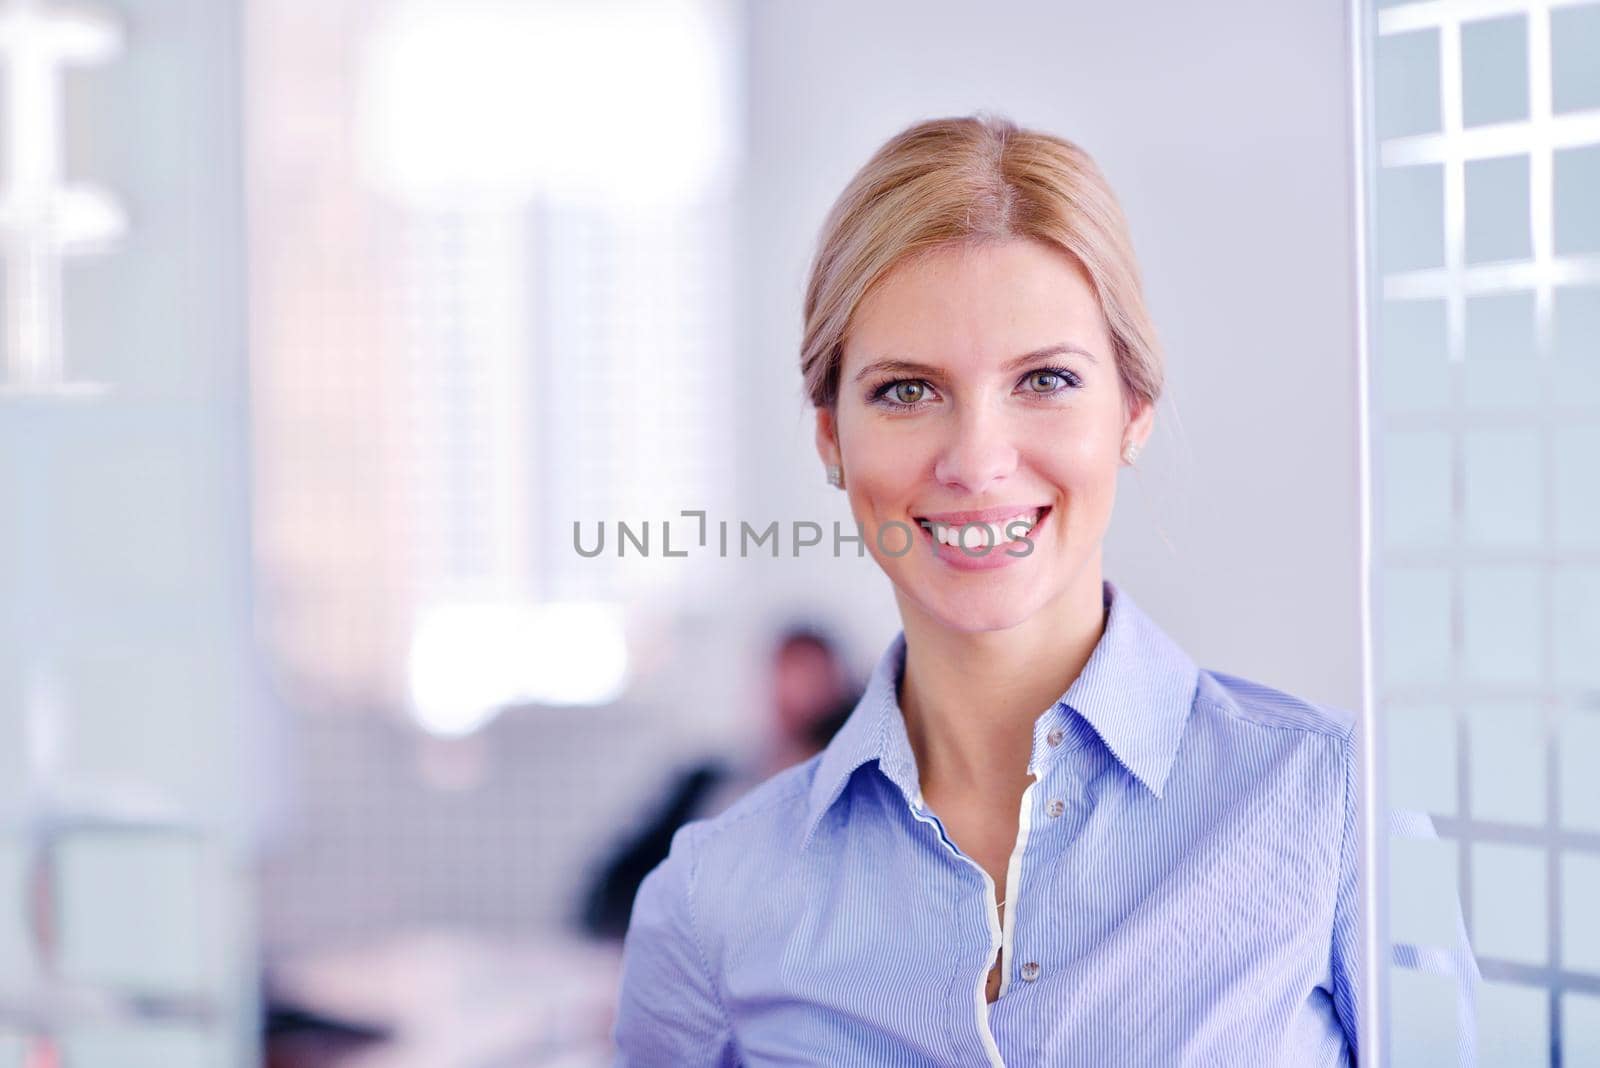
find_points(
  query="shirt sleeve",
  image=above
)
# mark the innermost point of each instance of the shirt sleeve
(1457, 962)
(668, 1009)
(1346, 955)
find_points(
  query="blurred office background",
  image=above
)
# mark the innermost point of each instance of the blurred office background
(324, 322)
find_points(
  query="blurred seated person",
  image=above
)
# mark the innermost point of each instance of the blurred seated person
(812, 696)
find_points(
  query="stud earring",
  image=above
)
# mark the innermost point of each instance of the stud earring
(836, 476)
(1130, 452)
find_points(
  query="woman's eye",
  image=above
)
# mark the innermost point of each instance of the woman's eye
(1048, 380)
(909, 392)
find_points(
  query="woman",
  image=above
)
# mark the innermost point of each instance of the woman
(1044, 836)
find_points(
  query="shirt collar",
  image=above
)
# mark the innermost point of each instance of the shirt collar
(1135, 691)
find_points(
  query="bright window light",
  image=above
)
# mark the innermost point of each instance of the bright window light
(470, 661)
(604, 100)
(43, 218)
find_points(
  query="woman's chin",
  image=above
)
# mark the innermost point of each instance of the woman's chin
(977, 611)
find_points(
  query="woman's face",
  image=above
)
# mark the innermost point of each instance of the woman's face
(1016, 409)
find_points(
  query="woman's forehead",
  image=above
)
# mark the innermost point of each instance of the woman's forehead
(977, 306)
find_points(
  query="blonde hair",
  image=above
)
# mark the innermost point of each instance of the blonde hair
(970, 180)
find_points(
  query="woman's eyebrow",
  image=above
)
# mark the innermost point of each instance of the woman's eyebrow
(898, 366)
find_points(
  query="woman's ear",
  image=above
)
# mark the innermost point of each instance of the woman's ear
(1140, 421)
(827, 436)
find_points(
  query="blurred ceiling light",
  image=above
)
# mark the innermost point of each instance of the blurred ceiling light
(599, 100)
(470, 661)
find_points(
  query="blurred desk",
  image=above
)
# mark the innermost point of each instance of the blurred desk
(453, 999)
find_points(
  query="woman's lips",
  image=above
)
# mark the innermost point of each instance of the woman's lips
(976, 557)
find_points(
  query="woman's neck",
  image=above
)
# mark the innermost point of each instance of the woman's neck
(970, 699)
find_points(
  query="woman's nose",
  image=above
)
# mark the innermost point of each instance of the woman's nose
(978, 452)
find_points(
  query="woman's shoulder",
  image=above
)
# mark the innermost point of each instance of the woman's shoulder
(766, 820)
(774, 799)
(1248, 702)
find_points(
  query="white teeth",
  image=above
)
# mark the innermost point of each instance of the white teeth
(1000, 533)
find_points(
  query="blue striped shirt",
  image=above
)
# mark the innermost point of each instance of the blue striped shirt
(1183, 890)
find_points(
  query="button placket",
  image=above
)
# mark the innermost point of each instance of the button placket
(1054, 809)
(1056, 806)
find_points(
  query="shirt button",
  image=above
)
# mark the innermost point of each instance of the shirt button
(1055, 736)
(1055, 808)
(1030, 971)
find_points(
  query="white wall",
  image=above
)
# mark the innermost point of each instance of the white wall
(1225, 131)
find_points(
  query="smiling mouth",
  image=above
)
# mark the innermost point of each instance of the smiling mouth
(1002, 532)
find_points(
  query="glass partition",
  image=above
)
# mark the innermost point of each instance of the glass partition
(1482, 149)
(127, 682)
